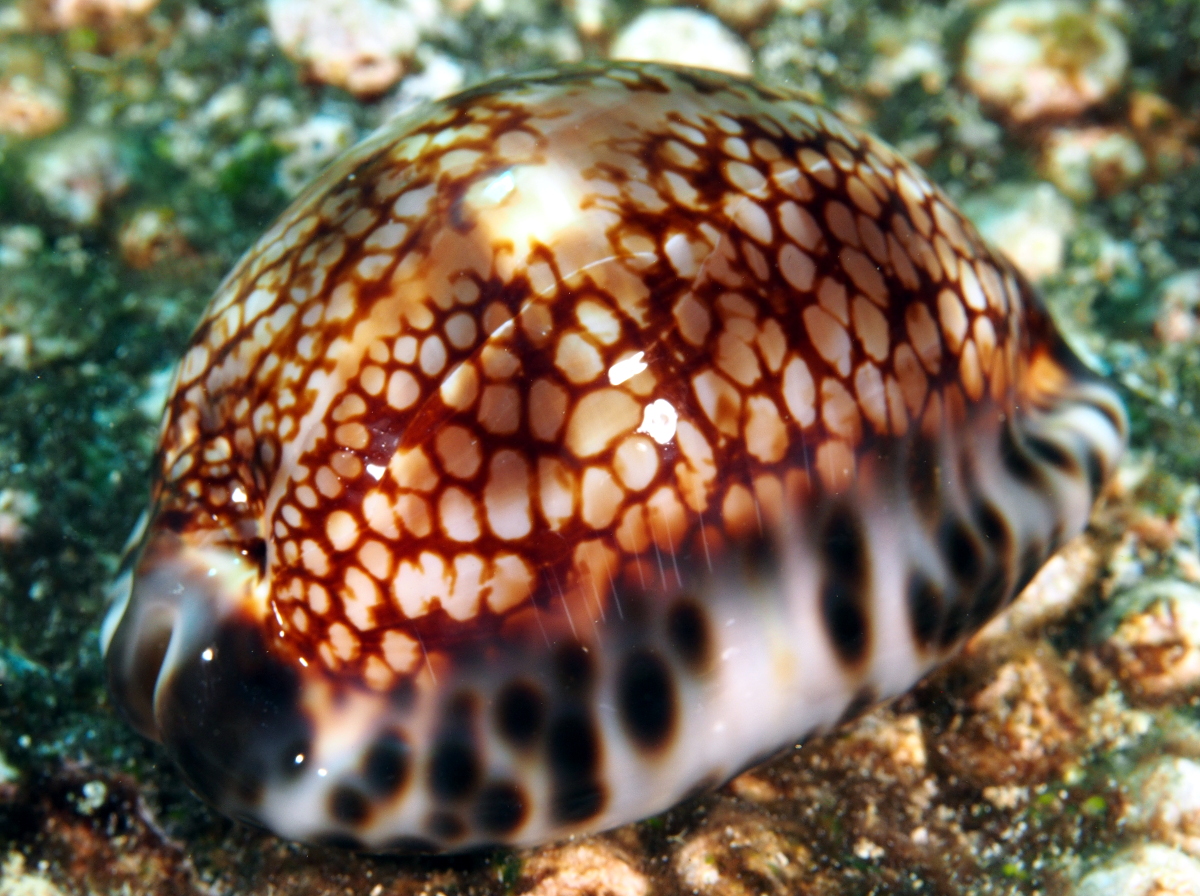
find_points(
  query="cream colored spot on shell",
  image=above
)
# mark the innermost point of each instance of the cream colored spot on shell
(388, 236)
(314, 558)
(772, 344)
(681, 189)
(344, 643)
(954, 319)
(750, 218)
(599, 321)
(500, 409)
(410, 468)
(352, 435)
(766, 435)
(417, 585)
(460, 388)
(359, 599)
(969, 372)
(400, 651)
(719, 399)
(376, 559)
(737, 359)
(819, 167)
(633, 535)
(372, 379)
(799, 391)
(832, 297)
(598, 418)
(872, 329)
(692, 318)
(872, 400)
(195, 362)
(499, 363)
(913, 383)
(506, 496)
(946, 256)
(902, 263)
(829, 337)
(923, 333)
(377, 675)
(511, 582)
(666, 517)
(636, 462)
(432, 356)
(865, 275)
(798, 224)
(840, 221)
(972, 291)
(862, 197)
(318, 598)
(461, 330)
(601, 497)
(556, 491)
(379, 515)
(547, 409)
(466, 587)
(342, 530)
(459, 451)
(985, 337)
(873, 239)
(403, 390)
(405, 350)
(797, 267)
(413, 511)
(676, 153)
(458, 515)
(578, 359)
(839, 411)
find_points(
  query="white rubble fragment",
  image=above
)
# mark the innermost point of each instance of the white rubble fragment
(682, 37)
(362, 46)
(1044, 58)
(77, 174)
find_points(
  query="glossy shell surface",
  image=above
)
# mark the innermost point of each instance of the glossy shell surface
(575, 443)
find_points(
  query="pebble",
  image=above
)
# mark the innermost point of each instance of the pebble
(1086, 162)
(682, 37)
(77, 174)
(16, 508)
(1179, 299)
(1152, 645)
(34, 92)
(1164, 800)
(1145, 870)
(362, 46)
(65, 14)
(584, 869)
(1028, 222)
(1037, 59)
(1020, 727)
(741, 13)
(149, 237)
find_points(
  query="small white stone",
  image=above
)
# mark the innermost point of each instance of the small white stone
(1044, 58)
(1164, 800)
(682, 37)
(77, 174)
(360, 45)
(1086, 161)
(1146, 870)
(1028, 222)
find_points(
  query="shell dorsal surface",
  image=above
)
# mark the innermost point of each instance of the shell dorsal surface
(575, 443)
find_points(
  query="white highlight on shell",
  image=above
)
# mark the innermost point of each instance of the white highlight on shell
(659, 421)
